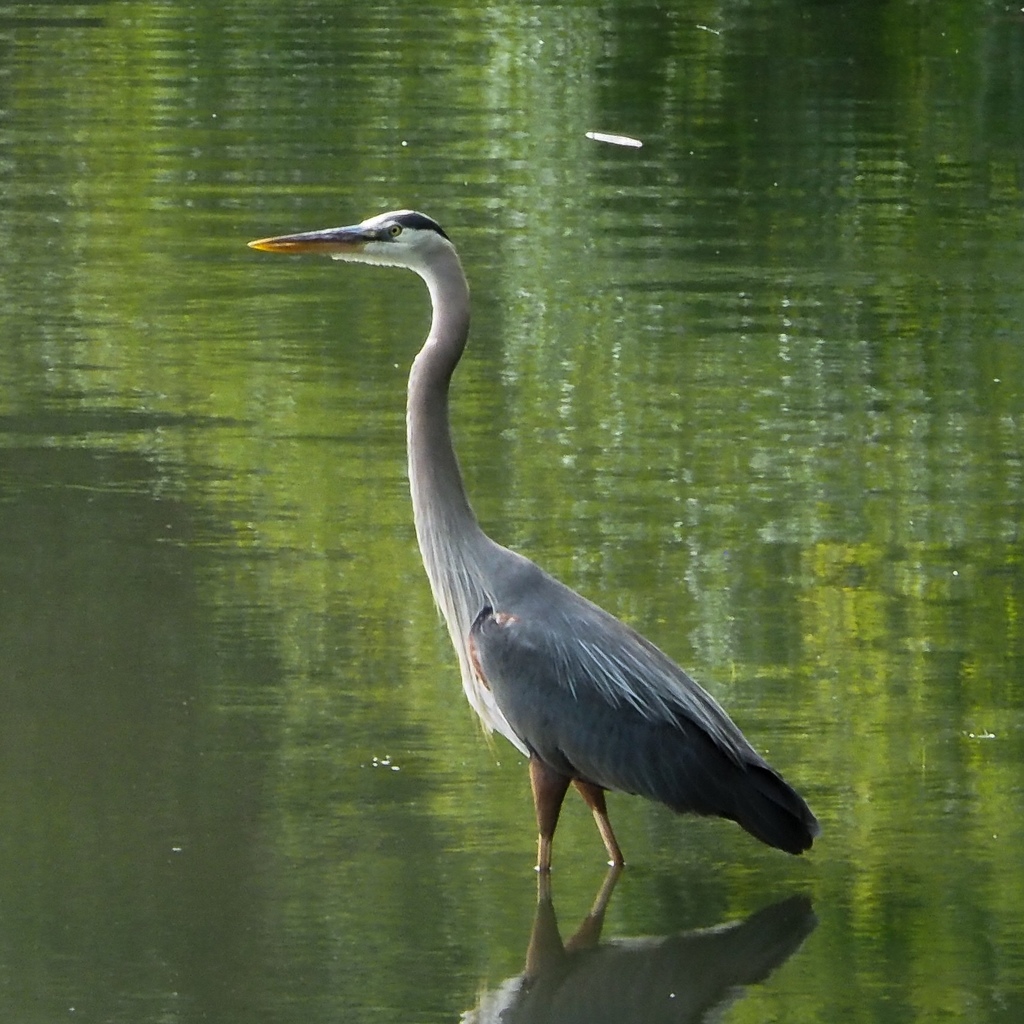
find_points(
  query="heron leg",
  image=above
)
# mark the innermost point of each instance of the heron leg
(549, 789)
(594, 796)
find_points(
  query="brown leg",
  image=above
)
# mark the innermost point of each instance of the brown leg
(549, 789)
(594, 796)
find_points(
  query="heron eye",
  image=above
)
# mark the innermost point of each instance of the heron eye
(395, 230)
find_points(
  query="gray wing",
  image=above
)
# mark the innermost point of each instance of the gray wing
(595, 700)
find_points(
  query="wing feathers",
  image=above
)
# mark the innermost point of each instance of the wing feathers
(596, 701)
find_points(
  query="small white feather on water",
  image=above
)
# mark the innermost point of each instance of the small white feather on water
(615, 140)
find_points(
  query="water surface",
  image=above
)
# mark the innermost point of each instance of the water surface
(756, 387)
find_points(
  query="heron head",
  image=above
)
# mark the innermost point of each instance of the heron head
(402, 238)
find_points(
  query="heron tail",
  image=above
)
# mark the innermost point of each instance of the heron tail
(772, 811)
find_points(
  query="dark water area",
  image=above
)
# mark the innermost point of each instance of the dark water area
(757, 387)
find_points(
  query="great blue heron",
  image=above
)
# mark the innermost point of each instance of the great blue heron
(586, 698)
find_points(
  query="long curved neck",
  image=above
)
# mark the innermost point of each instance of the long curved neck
(458, 556)
(446, 528)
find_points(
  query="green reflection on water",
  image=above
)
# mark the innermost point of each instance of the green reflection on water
(756, 387)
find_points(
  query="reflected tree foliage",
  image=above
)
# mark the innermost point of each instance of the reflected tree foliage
(758, 388)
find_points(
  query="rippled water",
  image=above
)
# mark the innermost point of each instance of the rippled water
(756, 387)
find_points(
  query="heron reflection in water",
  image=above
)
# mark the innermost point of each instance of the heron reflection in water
(591, 702)
(686, 978)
